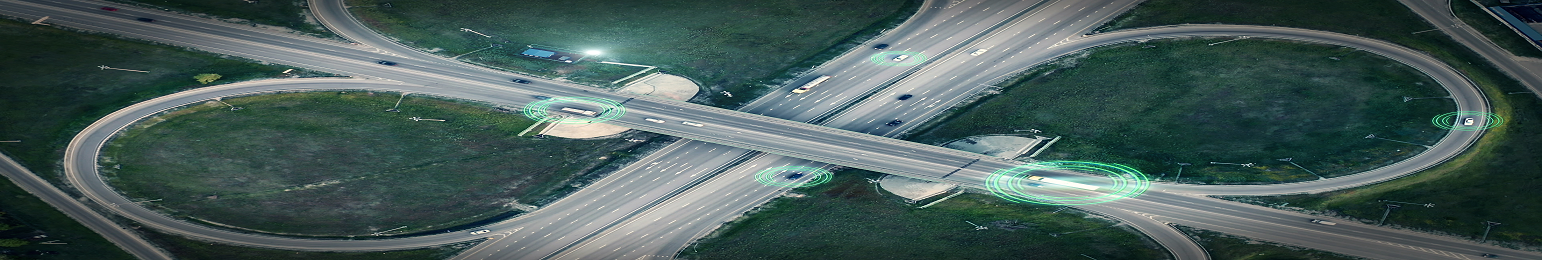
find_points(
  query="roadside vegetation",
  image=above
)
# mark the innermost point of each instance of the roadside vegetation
(1156, 104)
(822, 224)
(1223, 246)
(739, 47)
(337, 164)
(183, 248)
(1497, 31)
(292, 14)
(1494, 181)
(53, 84)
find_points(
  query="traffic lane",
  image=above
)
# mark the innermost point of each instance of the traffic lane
(95, 189)
(707, 206)
(1201, 210)
(36, 186)
(828, 97)
(583, 216)
(1439, 14)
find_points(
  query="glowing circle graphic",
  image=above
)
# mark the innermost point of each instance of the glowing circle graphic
(1021, 184)
(574, 110)
(905, 58)
(1467, 120)
(793, 176)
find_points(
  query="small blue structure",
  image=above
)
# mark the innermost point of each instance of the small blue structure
(554, 55)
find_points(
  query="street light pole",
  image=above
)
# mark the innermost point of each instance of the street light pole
(1298, 166)
(1490, 225)
(1385, 213)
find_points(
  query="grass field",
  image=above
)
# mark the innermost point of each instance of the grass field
(721, 44)
(1494, 181)
(1223, 246)
(1496, 31)
(184, 248)
(1160, 103)
(824, 224)
(334, 163)
(53, 85)
(290, 14)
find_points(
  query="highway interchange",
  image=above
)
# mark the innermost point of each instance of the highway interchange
(657, 206)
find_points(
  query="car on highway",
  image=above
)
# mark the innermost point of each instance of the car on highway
(109, 8)
(653, 120)
(795, 176)
(901, 57)
(880, 46)
(521, 81)
(142, 19)
(542, 97)
(479, 232)
(894, 123)
(689, 123)
(1324, 222)
(978, 52)
(1469, 121)
(1487, 255)
(905, 96)
(387, 63)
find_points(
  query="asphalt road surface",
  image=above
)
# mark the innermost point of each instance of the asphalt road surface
(758, 133)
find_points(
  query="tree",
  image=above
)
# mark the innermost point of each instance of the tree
(12, 242)
(206, 78)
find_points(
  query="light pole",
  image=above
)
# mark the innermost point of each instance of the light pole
(398, 103)
(1298, 166)
(232, 108)
(1179, 177)
(1237, 164)
(1406, 99)
(1385, 213)
(1373, 136)
(1490, 225)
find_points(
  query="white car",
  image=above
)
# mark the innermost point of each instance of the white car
(901, 57)
(479, 232)
(1469, 121)
(689, 123)
(653, 120)
(978, 52)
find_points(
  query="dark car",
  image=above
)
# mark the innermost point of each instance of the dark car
(795, 176)
(542, 97)
(387, 63)
(109, 8)
(142, 19)
(894, 123)
(880, 46)
(905, 96)
(1489, 255)
(521, 81)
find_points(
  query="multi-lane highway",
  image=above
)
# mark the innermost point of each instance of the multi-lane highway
(697, 192)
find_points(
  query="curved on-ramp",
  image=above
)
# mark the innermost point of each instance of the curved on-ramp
(81, 154)
(1466, 95)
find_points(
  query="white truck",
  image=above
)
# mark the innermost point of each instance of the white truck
(579, 111)
(1324, 222)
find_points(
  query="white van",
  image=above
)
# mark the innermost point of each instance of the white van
(689, 123)
(653, 120)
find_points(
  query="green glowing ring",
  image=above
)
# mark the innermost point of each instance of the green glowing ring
(887, 58)
(1127, 182)
(1448, 121)
(774, 176)
(541, 111)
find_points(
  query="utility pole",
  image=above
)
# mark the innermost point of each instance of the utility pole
(1385, 213)
(1298, 166)
(1490, 225)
